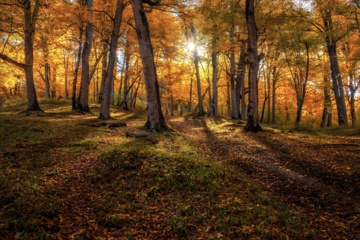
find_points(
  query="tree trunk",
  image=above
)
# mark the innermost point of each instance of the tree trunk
(76, 72)
(214, 105)
(234, 106)
(197, 73)
(133, 104)
(30, 17)
(353, 90)
(240, 80)
(337, 85)
(301, 87)
(105, 101)
(155, 121)
(253, 115)
(29, 33)
(53, 91)
(269, 97)
(66, 67)
(190, 99)
(327, 105)
(273, 95)
(126, 76)
(104, 71)
(47, 81)
(83, 99)
(331, 43)
(263, 109)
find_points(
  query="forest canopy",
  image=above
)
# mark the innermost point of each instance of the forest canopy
(202, 57)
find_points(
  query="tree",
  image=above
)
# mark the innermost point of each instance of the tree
(333, 34)
(252, 123)
(105, 99)
(30, 11)
(297, 55)
(83, 99)
(195, 52)
(155, 120)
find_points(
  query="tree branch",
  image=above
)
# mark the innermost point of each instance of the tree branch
(151, 2)
(12, 61)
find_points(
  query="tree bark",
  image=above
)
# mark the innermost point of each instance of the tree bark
(252, 123)
(126, 76)
(240, 80)
(104, 72)
(214, 105)
(201, 111)
(29, 32)
(325, 121)
(76, 72)
(105, 101)
(30, 18)
(273, 95)
(338, 88)
(47, 80)
(66, 67)
(83, 99)
(300, 86)
(234, 106)
(155, 120)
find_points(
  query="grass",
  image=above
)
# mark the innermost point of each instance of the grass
(59, 176)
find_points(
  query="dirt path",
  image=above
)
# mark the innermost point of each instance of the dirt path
(314, 175)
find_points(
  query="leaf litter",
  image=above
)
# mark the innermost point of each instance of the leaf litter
(206, 180)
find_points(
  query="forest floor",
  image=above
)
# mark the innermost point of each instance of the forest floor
(65, 175)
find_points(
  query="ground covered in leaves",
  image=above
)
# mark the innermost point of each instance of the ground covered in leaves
(65, 175)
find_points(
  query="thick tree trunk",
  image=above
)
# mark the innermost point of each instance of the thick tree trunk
(155, 121)
(338, 88)
(253, 115)
(337, 84)
(30, 17)
(105, 101)
(83, 100)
